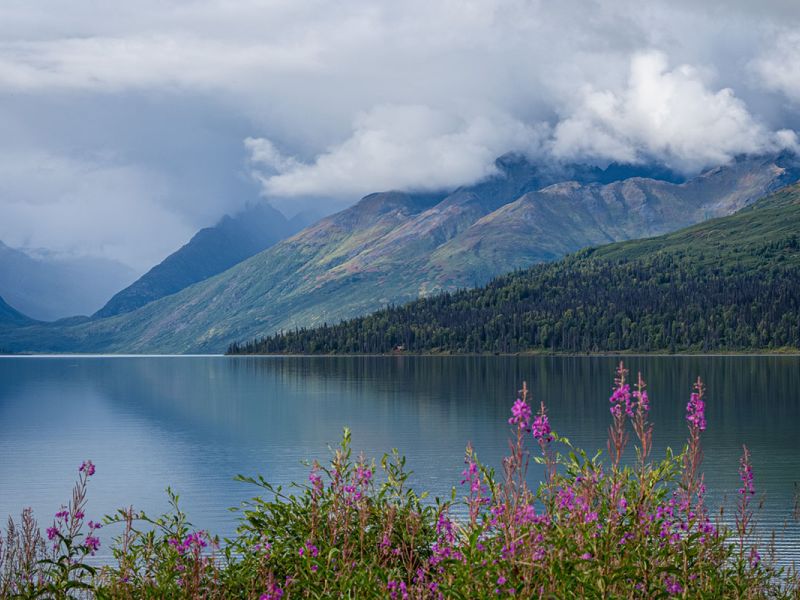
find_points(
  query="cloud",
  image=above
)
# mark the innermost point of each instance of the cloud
(659, 114)
(86, 208)
(169, 61)
(778, 66)
(336, 100)
(665, 115)
(397, 147)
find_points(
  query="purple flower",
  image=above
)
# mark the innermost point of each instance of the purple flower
(398, 590)
(587, 556)
(444, 529)
(316, 481)
(642, 402)
(621, 400)
(501, 580)
(52, 532)
(196, 539)
(520, 414)
(541, 428)
(673, 586)
(87, 467)
(274, 593)
(755, 558)
(471, 476)
(310, 548)
(91, 543)
(363, 474)
(696, 412)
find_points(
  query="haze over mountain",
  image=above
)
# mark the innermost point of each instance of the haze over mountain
(210, 251)
(48, 288)
(392, 247)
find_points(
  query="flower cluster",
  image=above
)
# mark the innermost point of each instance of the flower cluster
(696, 411)
(541, 428)
(520, 414)
(194, 541)
(275, 593)
(621, 401)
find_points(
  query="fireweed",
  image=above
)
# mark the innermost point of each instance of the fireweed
(590, 529)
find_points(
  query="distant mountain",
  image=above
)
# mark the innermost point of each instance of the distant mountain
(10, 316)
(50, 287)
(394, 247)
(729, 284)
(211, 251)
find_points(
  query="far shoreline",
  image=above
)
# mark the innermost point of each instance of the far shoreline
(754, 354)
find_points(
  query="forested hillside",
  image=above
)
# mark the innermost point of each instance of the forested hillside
(730, 284)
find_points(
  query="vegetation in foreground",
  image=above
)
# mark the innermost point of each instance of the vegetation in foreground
(593, 528)
(730, 284)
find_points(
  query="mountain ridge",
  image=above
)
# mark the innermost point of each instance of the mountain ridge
(210, 251)
(727, 284)
(48, 287)
(384, 250)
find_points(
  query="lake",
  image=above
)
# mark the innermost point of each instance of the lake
(194, 422)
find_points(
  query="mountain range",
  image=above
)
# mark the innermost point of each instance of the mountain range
(48, 287)
(727, 284)
(393, 247)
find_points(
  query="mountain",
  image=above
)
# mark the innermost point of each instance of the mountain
(552, 222)
(211, 251)
(47, 287)
(12, 317)
(394, 247)
(729, 284)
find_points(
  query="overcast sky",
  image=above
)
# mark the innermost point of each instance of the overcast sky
(126, 126)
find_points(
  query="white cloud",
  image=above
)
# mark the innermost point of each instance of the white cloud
(397, 147)
(152, 61)
(659, 114)
(364, 95)
(779, 65)
(662, 114)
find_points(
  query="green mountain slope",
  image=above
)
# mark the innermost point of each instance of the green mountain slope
(731, 283)
(395, 247)
(550, 223)
(211, 251)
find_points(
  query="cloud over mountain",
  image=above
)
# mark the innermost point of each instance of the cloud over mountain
(666, 115)
(337, 99)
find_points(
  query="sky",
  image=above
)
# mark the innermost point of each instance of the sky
(127, 126)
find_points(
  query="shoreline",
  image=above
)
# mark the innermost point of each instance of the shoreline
(775, 353)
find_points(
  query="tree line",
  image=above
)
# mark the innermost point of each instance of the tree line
(661, 303)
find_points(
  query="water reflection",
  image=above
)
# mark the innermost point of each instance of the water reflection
(194, 422)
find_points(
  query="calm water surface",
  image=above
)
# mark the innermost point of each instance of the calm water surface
(194, 422)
